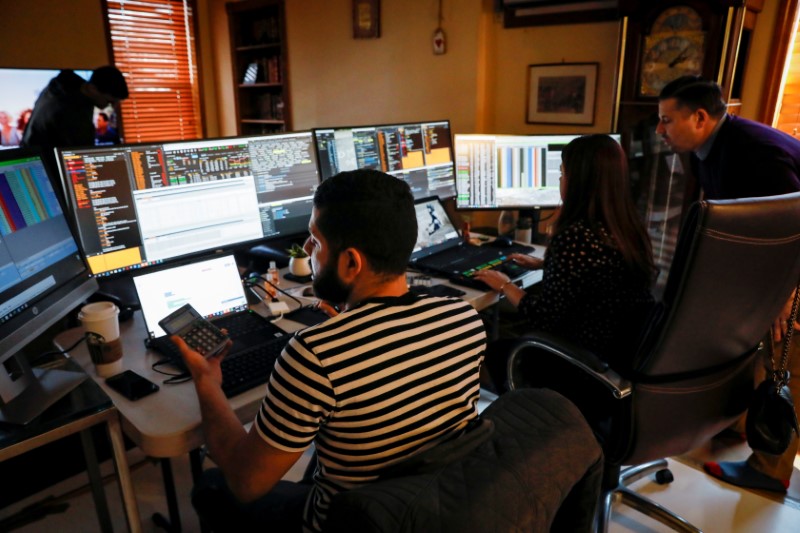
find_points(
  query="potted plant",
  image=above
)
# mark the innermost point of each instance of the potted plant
(299, 261)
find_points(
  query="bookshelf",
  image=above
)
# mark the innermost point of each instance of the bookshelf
(258, 48)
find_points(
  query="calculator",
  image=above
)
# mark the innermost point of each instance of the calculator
(200, 334)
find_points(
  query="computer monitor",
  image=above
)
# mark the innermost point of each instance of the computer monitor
(143, 204)
(509, 171)
(419, 153)
(42, 277)
(21, 89)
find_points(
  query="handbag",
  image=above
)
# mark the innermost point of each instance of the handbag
(771, 418)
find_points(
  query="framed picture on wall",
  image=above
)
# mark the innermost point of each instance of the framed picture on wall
(366, 19)
(561, 93)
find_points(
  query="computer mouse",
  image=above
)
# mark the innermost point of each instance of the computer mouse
(502, 242)
(308, 291)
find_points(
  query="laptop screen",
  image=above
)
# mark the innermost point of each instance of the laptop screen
(212, 286)
(435, 230)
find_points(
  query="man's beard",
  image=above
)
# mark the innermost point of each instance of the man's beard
(328, 286)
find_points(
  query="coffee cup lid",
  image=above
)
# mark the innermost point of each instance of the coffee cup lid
(98, 311)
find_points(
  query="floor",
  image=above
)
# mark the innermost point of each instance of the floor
(709, 504)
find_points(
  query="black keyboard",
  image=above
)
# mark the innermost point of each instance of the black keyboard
(249, 368)
(240, 324)
(241, 370)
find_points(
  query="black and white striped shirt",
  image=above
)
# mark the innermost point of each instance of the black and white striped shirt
(373, 386)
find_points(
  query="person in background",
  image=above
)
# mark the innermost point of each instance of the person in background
(104, 133)
(8, 133)
(392, 375)
(63, 115)
(598, 268)
(737, 158)
(22, 121)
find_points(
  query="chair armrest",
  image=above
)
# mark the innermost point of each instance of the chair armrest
(536, 343)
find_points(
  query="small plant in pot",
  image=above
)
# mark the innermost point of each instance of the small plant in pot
(299, 261)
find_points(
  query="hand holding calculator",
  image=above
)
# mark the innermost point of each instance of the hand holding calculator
(200, 334)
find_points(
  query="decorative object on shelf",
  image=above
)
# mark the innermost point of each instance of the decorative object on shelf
(251, 74)
(366, 19)
(439, 39)
(675, 47)
(561, 93)
(299, 261)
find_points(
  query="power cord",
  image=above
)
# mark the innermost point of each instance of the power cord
(252, 283)
(65, 351)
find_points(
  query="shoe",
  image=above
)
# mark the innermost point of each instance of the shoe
(743, 475)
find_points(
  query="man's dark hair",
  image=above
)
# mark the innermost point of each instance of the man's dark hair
(371, 211)
(695, 93)
(109, 80)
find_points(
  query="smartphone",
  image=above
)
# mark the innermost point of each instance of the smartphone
(200, 334)
(131, 385)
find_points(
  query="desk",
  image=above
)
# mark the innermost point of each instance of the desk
(84, 407)
(167, 424)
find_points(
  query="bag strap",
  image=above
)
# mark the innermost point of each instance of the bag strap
(780, 374)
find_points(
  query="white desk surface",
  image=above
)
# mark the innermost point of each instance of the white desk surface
(167, 423)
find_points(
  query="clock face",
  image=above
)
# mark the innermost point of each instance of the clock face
(670, 56)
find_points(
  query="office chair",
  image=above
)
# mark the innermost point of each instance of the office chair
(691, 376)
(532, 464)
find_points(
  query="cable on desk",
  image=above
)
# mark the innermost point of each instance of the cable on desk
(65, 351)
(172, 378)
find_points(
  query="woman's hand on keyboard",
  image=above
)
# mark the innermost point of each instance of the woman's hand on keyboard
(527, 261)
(200, 367)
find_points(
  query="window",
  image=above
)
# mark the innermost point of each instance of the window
(782, 81)
(153, 45)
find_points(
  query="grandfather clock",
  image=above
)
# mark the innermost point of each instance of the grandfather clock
(660, 41)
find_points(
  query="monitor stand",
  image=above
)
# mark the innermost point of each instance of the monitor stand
(42, 388)
(535, 216)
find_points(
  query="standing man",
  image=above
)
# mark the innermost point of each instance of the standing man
(737, 158)
(392, 375)
(63, 115)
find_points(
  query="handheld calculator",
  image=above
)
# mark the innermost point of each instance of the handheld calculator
(200, 334)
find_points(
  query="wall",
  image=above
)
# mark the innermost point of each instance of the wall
(44, 34)
(479, 84)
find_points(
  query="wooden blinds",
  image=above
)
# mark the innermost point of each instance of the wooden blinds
(153, 45)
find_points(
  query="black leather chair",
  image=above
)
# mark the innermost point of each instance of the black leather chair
(531, 465)
(691, 377)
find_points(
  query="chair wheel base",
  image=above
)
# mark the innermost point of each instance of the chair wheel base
(664, 476)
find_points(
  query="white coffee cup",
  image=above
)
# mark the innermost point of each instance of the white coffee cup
(101, 321)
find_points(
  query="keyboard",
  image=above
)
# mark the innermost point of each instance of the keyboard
(242, 370)
(249, 368)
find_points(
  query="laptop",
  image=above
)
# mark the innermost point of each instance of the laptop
(214, 289)
(440, 249)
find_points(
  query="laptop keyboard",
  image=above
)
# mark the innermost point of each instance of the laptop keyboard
(252, 367)
(240, 324)
(242, 370)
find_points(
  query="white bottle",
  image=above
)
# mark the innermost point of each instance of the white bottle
(273, 280)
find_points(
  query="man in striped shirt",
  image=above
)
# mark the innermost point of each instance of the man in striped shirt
(391, 376)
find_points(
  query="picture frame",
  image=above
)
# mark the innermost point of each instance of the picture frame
(366, 19)
(561, 93)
